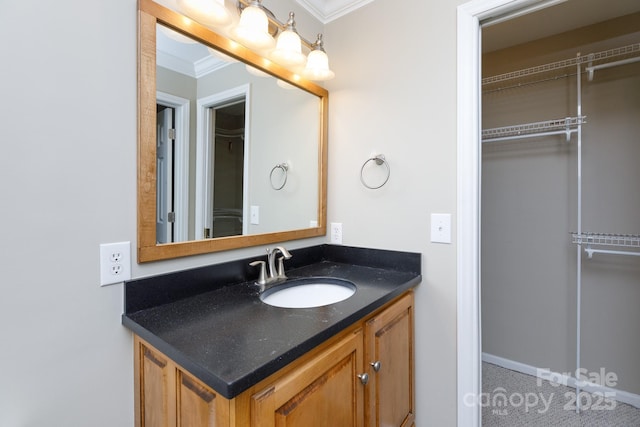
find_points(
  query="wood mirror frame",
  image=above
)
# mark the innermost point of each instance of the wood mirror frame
(150, 14)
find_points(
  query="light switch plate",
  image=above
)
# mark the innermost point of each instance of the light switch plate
(440, 228)
(255, 215)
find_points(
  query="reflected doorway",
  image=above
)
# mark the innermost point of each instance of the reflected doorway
(228, 168)
(172, 168)
(165, 136)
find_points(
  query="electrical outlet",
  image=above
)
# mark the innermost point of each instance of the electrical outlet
(336, 233)
(115, 263)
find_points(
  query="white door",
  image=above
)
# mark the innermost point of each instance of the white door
(164, 165)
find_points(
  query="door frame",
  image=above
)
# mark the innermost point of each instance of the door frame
(469, 156)
(205, 152)
(181, 162)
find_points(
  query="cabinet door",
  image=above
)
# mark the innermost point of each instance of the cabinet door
(197, 405)
(324, 392)
(167, 396)
(389, 396)
(154, 377)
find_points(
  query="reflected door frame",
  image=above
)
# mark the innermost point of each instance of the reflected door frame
(205, 152)
(180, 162)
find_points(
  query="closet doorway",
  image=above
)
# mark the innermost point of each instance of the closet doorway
(558, 161)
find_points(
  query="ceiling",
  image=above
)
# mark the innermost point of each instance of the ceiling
(554, 20)
(327, 10)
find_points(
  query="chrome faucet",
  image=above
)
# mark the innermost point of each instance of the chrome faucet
(274, 273)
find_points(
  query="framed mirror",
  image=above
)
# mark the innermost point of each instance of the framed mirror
(232, 148)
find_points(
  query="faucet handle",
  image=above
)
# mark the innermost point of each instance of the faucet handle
(281, 268)
(262, 277)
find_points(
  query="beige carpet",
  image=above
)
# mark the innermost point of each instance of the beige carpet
(512, 399)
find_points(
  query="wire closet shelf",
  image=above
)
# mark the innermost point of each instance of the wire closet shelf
(590, 59)
(565, 126)
(628, 241)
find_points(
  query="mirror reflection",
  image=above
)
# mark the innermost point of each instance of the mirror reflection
(237, 150)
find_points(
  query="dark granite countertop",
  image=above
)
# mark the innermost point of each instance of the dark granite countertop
(212, 322)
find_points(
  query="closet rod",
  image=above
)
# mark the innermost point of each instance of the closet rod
(593, 68)
(590, 252)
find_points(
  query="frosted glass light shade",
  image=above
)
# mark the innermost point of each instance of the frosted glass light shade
(254, 71)
(173, 35)
(318, 66)
(253, 29)
(288, 50)
(211, 13)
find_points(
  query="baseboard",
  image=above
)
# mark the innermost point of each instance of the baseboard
(620, 395)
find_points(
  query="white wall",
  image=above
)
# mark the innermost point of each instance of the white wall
(69, 172)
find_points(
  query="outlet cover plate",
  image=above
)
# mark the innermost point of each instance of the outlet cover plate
(336, 233)
(115, 263)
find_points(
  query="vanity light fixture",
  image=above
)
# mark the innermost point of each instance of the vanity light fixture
(288, 50)
(256, 30)
(253, 28)
(212, 13)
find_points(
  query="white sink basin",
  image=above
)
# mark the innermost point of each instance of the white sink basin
(308, 292)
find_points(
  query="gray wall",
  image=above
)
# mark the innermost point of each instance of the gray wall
(395, 94)
(529, 208)
(69, 184)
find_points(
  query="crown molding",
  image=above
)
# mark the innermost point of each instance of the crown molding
(191, 68)
(328, 10)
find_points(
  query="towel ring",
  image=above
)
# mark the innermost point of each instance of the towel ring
(379, 160)
(285, 168)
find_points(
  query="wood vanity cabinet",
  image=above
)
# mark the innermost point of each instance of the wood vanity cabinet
(362, 377)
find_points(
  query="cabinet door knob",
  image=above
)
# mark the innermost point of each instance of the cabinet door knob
(364, 378)
(376, 365)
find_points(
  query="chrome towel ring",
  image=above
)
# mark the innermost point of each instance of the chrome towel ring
(284, 167)
(379, 160)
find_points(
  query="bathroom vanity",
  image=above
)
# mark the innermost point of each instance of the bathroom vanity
(209, 352)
